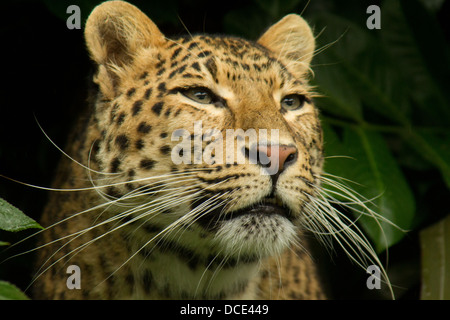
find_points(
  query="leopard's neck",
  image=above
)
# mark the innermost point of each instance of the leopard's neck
(168, 268)
(166, 276)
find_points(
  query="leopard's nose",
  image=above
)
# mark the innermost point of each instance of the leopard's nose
(276, 157)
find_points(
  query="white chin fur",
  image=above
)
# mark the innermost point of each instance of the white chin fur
(256, 234)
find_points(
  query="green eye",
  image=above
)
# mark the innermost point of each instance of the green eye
(293, 101)
(200, 95)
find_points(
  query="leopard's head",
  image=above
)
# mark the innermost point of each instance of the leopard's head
(205, 139)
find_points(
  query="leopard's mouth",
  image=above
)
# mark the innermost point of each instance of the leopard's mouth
(268, 206)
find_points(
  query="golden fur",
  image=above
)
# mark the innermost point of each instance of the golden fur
(138, 229)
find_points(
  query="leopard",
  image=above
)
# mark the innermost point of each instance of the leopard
(152, 205)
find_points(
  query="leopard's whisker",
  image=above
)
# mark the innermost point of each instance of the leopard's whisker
(153, 203)
(67, 155)
(114, 184)
(205, 271)
(353, 200)
(167, 229)
(120, 216)
(330, 222)
(211, 207)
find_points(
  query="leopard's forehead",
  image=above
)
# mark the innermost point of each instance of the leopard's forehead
(223, 47)
(219, 58)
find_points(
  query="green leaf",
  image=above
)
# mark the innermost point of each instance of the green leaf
(12, 219)
(355, 69)
(338, 98)
(3, 243)
(435, 147)
(415, 41)
(435, 247)
(377, 178)
(9, 291)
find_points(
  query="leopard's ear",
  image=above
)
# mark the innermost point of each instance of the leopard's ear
(115, 32)
(291, 39)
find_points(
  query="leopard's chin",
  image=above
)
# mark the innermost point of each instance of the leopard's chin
(264, 229)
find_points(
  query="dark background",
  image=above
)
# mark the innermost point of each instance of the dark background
(45, 70)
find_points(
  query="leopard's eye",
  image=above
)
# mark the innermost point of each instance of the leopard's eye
(200, 95)
(293, 101)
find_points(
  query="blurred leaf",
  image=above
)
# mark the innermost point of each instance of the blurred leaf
(9, 291)
(378, 178)
(366, 82)
(431, 44)
(418, 46)
(435, 147)
(338, 97)
(435, 247)
(354, 69)
(3, 243)
(12, 219)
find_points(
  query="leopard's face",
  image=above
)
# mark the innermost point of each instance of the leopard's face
(216, 135)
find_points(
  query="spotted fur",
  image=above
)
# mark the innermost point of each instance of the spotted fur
(139, 225)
